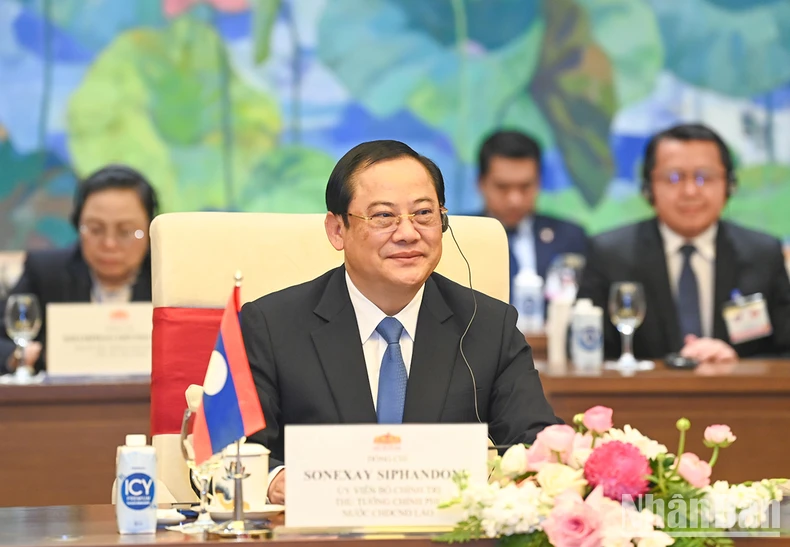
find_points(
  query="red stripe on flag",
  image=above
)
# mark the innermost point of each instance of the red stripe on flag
(200, 438)
(249, 403)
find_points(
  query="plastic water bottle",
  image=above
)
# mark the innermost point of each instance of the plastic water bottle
(528, 300)
(587, 336)
(135, 503)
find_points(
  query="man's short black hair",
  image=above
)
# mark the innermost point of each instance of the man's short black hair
(112, 177)
(508, 144)
(340, 188)
(686, 132)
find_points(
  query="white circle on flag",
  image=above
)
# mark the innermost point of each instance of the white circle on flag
(216, 374)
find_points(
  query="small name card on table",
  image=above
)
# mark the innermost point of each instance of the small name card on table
(350, 476)
(99, 339)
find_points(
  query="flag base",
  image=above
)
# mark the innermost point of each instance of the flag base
(239, 529)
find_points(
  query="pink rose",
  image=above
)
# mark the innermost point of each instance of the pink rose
(573, 523)
(719, 435)
(694, 470)
(558, 438)
(537, 455)
(598, 419)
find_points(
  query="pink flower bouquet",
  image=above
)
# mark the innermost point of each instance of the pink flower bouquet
(596, 485)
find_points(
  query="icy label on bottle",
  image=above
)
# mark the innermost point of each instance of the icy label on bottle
(137, 491)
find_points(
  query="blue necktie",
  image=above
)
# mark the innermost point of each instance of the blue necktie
(688, 296)
(392, 375)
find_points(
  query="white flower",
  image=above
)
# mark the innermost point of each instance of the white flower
(647, 446)
(503, 510)
(655, 539)
(582, 448)
(514, 461)
(744, 506)
(556, 478)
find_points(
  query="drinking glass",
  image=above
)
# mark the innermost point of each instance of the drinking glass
(22, 323)
(627, 308)
(202, 473)
(563, 276)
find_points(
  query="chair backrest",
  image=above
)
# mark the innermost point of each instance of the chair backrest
(194, 257)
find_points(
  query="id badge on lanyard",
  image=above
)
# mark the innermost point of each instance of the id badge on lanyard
(746, 318)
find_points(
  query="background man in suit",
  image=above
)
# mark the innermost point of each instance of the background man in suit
(509, 181)
(113, 208)
(377, 339)
(689, 260)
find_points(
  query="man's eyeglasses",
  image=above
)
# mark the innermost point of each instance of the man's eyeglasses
(389, 222)
(122, 236)
(700, 178)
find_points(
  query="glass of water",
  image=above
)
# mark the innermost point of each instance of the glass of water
(22, 323)
(201, 473)
(627, 308)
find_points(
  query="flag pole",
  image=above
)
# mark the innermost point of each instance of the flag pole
(238, 528)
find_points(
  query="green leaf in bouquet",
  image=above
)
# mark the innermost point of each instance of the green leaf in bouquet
(574, 81)
(464, 531)
(535, 539)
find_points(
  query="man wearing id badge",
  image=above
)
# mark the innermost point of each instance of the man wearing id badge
(714, 290)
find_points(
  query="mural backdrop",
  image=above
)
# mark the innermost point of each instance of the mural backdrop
(246, 104)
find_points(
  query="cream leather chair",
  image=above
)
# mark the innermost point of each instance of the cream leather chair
(195, 257)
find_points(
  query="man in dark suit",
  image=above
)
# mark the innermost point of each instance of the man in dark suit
(509, 181)
(690, 262)
(378, 339)
(111, 263)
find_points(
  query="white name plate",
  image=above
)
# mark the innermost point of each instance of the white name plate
(99, 339)
(350, 476)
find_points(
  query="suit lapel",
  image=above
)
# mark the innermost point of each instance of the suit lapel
(726, 276)
(543, 251)
(433, 359)
(653, 269)
(78, 280)
(141, 290)
(340, 352)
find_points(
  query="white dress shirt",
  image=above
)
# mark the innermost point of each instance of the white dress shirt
(524, 245)
(373, 344)
(101, 294)
(703, 263)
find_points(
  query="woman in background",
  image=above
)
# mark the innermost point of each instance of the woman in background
(113, 209)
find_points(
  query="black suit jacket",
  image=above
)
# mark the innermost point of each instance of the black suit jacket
(552, 237)
(307, 362)
(61, 275)
(565, 237)
(746, 260)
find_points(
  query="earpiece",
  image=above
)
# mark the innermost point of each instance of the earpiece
(446, 224)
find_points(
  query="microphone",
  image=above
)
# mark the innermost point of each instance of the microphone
(463, 336)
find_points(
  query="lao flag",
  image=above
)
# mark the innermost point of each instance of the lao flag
(230, 409)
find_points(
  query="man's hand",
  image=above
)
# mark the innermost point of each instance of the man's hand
(708, 350)
(32, 353)
(276, 493)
